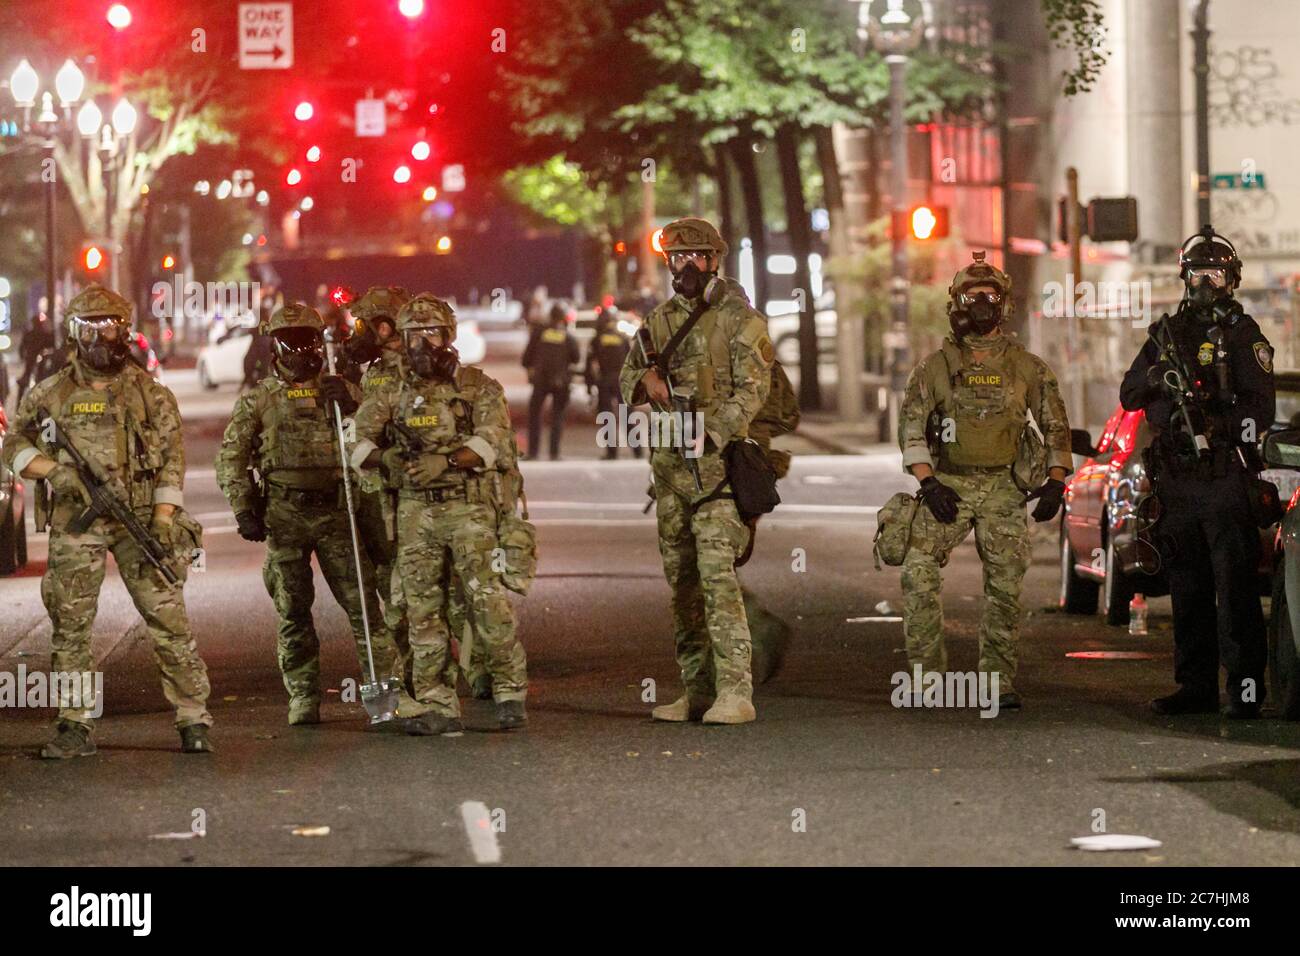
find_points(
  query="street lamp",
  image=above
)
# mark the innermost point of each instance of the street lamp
(89, 119)
(896, 28)
(69, 84)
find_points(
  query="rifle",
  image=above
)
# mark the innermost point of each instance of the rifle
(1181, 385)
(104, 502)
(681, 402)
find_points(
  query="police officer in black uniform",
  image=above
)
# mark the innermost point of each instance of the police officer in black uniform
(1202, 464)
(550, 354)
(605, 357)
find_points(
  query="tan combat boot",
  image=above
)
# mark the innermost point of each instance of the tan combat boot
(303, 710)
(684, 708)
(731, 708)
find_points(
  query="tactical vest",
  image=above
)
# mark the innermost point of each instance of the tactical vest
(385, 371)
(112, 428)
(297, 430)
(442, 415)
(981, 410)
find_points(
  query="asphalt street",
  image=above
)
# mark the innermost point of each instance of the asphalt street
(831, 773)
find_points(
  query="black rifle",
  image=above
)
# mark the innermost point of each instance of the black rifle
(1181, 386)
(683, 404)
(104, 502)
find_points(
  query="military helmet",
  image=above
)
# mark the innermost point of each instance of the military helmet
(426, 311)
(1209, 250)
(97, 301)
(380, 301)
(979, 272)
(682, 235)
(294, 315)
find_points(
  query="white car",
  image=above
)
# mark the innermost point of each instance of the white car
(783, 330)
(221, 361)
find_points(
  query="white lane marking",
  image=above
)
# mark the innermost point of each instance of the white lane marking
(482, 838)
(871, 620)
(792, 508)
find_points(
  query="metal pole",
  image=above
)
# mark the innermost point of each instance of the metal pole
(50, 279)
(1073, 331)
(898, 293)
(1201, 71)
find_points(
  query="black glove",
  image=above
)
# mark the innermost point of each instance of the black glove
(1156, 376)
(940, 499)
(1049, 496)
(251, 527)
(334, 389)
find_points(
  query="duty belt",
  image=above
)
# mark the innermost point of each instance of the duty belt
(304, 496)
(952, 469)
(434, 495)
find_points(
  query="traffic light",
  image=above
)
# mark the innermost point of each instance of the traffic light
(93, 259)
(620, 248)
(169, 261)
(922, 222)
(1112, 220)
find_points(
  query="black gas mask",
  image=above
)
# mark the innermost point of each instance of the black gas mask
(979, 313)
(299, 351)
(1207, 286)
(366, 344)
(103, 342)
(431, 359)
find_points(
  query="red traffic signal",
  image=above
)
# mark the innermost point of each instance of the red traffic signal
(169, 261)
(620, 248)
(93, 258)
(928, 222)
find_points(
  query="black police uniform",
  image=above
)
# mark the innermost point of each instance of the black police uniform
(605, 357)
(549, 355)
(1207, 520)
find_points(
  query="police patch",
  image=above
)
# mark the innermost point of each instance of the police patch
(974, 379)
(553, 335)
(421, 421)
(89, 408)
(304, 392)
(1264, 356)
(767, 351)
(1205, 354)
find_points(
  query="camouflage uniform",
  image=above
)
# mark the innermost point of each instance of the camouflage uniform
(447, 529)
(284, 430)
(983, 408)
(725, 361)
(130, 432)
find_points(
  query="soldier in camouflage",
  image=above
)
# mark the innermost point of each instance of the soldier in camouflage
(376, 345)
(283, 430)
(724, 365)
(961, 427)
(128, 427)
(442, 435)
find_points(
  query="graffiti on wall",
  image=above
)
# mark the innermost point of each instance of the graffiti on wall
(1246, 89)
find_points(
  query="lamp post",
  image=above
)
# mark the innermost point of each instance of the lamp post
(1200, 10)
(895, 28)
(24, 84)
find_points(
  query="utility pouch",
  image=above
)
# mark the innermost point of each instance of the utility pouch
(894, 529)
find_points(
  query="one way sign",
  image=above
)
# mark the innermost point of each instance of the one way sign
(265, 36)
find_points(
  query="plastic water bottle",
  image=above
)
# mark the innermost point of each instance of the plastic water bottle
(1137, 616)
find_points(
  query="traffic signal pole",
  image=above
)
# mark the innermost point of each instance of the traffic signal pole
(55, 327)
(897, 338)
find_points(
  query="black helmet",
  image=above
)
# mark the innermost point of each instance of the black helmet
(1209, 250)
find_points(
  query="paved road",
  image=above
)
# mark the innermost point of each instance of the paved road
(593, 780)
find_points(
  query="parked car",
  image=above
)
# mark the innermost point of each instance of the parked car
(221, 361)
(783, 330)
(1099, 521)
(13, 518)
(1282, 452)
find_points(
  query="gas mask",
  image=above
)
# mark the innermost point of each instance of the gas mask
(299, 352)
(435, 362)
(102, 342)
(690, 280)
(979, 313)
(363, 346)
(1207, 286)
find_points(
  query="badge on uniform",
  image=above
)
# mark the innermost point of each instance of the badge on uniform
(89, 408)
(421, 421)
(1205, 354)
(1264, 356)
(303, 392)
(553, 335)
(976, 379)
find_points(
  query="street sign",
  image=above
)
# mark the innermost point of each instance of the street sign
(265, 36)
(453, 178)
(370, 118)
